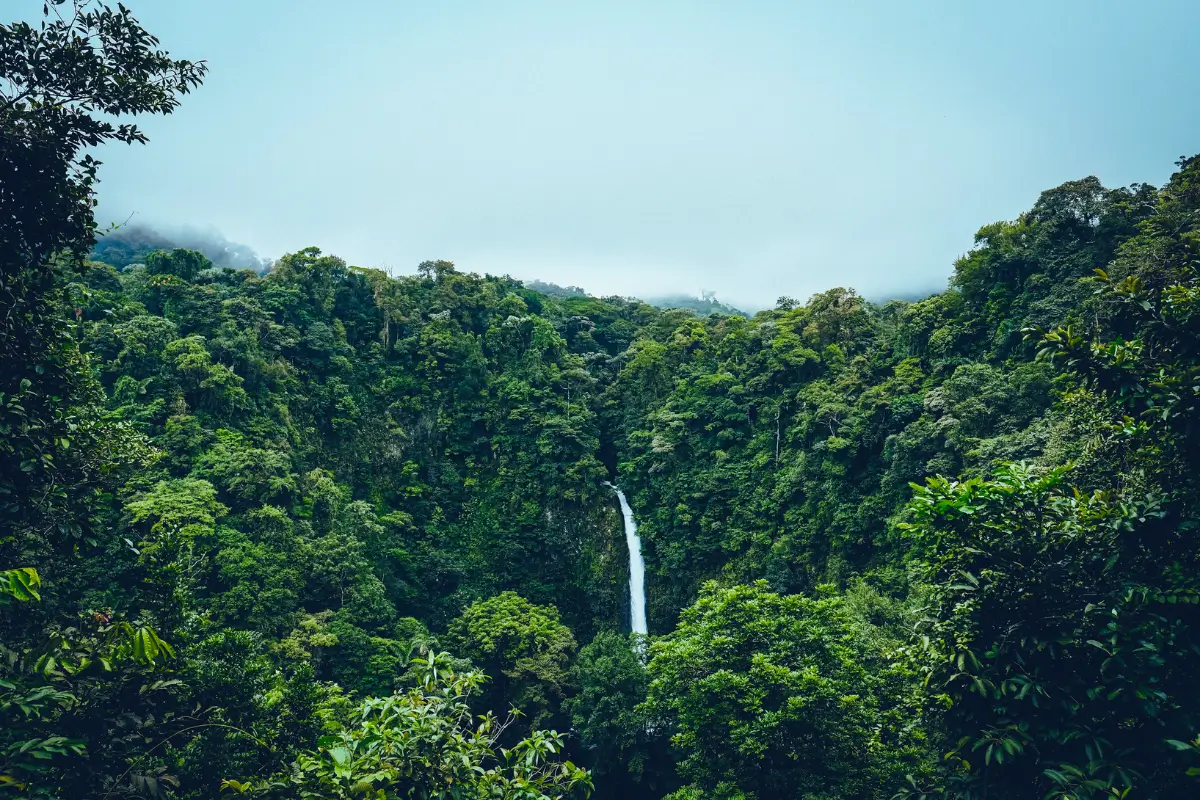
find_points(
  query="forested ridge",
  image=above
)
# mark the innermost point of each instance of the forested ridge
(318, 531)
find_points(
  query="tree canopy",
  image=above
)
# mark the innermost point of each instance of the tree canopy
(315, 530)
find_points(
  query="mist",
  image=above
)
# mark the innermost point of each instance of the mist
(128, 243)
(654, 151)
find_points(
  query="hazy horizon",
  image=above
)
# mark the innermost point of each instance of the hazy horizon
(636, 151)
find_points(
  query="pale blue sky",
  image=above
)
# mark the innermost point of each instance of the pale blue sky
(756, 149)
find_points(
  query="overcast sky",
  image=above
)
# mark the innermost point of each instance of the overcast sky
(756, 149)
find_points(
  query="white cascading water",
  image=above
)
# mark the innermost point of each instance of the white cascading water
(637, 567)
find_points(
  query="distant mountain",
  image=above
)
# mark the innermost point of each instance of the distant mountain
(705, 305)
(904, 295)
(129, 244)
(554, 290)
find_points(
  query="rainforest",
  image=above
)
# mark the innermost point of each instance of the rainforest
(303, 529)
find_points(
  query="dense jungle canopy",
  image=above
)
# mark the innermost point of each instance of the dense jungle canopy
(312, 530)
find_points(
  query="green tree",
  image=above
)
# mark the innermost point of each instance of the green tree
(60, 701)
(627, 755)
(426, 743)
(64, 84)
(524, 647)
(770, 695)
(1063, 625)
(1061, 638)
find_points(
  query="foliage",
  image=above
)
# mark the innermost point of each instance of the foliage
(63, 84)
(523, 646)
(234, 502)
(782, 446)
(771, 695)
(1061, 639)
(53, 697)
(611, 681)
(426, 743)
(21, 584)
(1062, 634)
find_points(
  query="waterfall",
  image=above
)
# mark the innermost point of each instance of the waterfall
(637, 567)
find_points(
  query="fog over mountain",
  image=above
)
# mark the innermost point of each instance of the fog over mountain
(127, 244)
(647, 151)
